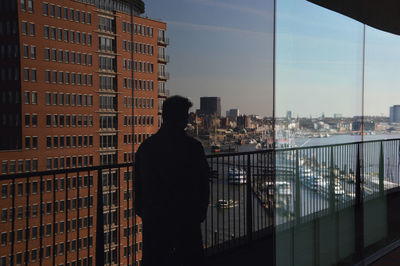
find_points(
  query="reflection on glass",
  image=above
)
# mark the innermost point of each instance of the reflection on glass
(221, 57)
(319, 57)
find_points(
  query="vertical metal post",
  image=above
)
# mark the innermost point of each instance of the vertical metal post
(297, 182)
(249, 210)
(331, 184)
(381, 172)
(99, 221)
(359, 212)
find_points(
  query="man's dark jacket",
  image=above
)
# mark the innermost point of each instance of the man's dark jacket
(171, 192)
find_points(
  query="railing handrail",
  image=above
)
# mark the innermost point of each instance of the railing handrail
(298, 148)
(222, 154)
(64, 171)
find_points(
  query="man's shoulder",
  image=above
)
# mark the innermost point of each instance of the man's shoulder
(149, 143)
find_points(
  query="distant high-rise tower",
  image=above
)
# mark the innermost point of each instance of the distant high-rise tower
(289, 114)
(210, 106)
(394, 114)
(232, 113)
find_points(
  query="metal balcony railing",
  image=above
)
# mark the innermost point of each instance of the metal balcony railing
(252, 194)
(163, 40)
(163, 75)
(163, 58)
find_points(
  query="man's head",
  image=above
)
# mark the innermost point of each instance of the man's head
(175, 111)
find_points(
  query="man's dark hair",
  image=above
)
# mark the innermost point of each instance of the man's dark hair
(175, 108)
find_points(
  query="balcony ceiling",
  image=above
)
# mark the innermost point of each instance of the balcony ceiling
(380, 14)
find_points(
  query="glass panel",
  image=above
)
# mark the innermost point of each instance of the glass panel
(221, 57)
(319, 56)
(381, 122)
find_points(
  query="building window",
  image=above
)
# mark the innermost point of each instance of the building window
(27, 142)
(53, 33)
(25, 51)
(52, 10)
(45, 9)
(34, 76)
(23, 5)
(58, 11)
(33, 52)
(26, 74)
(24, 27)
(48, 76)
(34, 143)
(46, 31)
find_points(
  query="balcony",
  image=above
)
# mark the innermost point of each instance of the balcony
(163, 75)
(163, 40)
(162, 58)
(319, 198)
(163, 93)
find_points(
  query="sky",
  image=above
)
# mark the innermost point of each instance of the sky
(225, 48)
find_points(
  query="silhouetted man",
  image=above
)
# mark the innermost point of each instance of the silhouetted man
(172, 190)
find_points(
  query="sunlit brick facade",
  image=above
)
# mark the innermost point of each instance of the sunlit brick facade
(81, 85)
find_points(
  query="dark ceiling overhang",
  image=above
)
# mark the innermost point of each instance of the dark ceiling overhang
(380, 14)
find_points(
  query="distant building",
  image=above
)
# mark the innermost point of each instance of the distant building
(368, 125)
(243, 121)
(210, 106)
(232, 113)
(224, 122)
(289, 115)
(394, 114)
(306, 123)
(337, 115)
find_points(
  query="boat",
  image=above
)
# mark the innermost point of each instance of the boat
(215, 149)
(224, 204)
(338, 190)
(252, 141)
(283, 188)
(311, 179)
(236, 176)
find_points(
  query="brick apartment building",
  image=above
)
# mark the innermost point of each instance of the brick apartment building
(81, 85)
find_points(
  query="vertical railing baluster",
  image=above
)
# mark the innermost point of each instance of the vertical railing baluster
(332, 180)
(217, 231)
(127, 180)
(359, 213)
(66, 188)
(41, 231)
(381, 171)
(88, 221)
(118, 198)
(78, 184)
(12, 257)
(110, 218)
(99, 221)
(297, 184)
(54, 218)
(27, 215)
(249, 209)
(212, 202)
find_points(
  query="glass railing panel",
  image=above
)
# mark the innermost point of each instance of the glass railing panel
(220, 55)
(319, 57)
(381, 121)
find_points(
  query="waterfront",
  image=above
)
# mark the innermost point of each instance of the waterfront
(310, 175)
